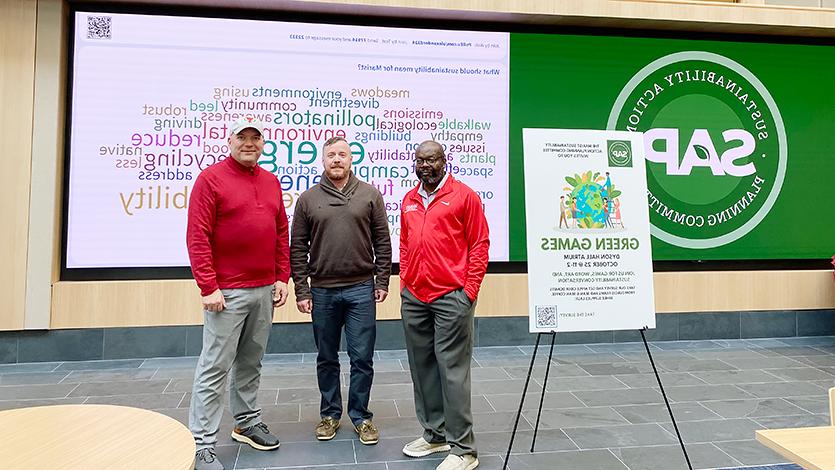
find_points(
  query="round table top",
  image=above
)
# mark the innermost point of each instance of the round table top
(93, 437)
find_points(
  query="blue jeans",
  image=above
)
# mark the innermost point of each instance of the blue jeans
(354, 307)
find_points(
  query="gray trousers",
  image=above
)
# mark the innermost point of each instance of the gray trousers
(439, 341)
(235, 339)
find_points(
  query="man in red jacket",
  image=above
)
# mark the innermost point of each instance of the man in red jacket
(444, 244)
(238, 246)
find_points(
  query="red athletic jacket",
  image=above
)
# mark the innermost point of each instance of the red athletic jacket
(237, 228)
(445, 246)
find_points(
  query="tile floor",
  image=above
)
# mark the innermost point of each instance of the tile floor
(602, 408)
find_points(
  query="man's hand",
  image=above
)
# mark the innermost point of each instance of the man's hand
(214, 302)
(305, 306)
(380, 295)
(280, 294)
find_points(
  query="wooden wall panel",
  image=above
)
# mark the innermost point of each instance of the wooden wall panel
(17, 73)
(153, 303)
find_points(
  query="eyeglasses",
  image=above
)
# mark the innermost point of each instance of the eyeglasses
(427, 161)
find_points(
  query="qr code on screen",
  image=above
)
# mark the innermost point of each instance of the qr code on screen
(98, 27)
(546, 316)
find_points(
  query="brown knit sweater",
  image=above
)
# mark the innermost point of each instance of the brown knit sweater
(339, 238)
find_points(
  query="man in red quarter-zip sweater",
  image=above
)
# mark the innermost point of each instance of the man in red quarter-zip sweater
(238, 245)
(444, 244)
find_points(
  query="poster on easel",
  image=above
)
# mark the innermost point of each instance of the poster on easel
(588, 231)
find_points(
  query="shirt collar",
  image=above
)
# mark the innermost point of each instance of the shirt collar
(423, 192)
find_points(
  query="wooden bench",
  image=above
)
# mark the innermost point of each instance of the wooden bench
(812, 448)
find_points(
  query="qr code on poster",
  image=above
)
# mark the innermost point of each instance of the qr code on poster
(546, 316)
(98, 27)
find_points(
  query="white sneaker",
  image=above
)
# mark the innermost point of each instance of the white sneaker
(420, 448)
(458, 462)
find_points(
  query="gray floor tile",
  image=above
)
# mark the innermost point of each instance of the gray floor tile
(101, 365)
(803, 373)
(668, 379)
(810, 341)
(567, 460)
(32, 392)
(693, 365)
(170, 362)
(637, 414)
(797, 421)
(736, 377)
(622, 347)
(575, 417)
(547, 440)
(348, 466)
(818, 404)
(148, 401)
(625, 368)
(289, 381)
(555, 371)
(282, 358)
(497, 351)
(620, 436)
(559, 349)
(782, 389)
(496, 421)
(280, 413)
(482, 373)
(406, 428)
(657, 355)
(393, 354)
(32, 378)
(12, 404)
(818, 361)
(764, 363)
(794, 351)
(504, 386)
(688, 345)
(386, 450)
(173, 373)
(294, 454)
(131, 387)
(487, 462)
(228, 454)
(391, 391)
(745, 353)
(552, 400)
(753, 408)
(751, 452)
(599, 358)
(298, 395)
(715, 430)
(29, 367)
(632, 396)
(78, 376)
(584, 383)
(672, 457)
(706, 392)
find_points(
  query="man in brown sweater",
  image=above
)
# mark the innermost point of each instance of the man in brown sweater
(340, 254)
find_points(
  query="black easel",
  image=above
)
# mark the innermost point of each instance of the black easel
(545, 384)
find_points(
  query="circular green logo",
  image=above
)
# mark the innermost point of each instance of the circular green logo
(714, 143)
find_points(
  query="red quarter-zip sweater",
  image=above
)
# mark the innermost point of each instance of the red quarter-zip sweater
(237, 228)
(445, 246)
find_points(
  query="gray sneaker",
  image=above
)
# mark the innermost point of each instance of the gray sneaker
(205, 459)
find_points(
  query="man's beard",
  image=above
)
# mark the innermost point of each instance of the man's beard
(434, 177)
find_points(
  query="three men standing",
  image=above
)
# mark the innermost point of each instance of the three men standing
(340, 253)
(444, 244)
(237, 245)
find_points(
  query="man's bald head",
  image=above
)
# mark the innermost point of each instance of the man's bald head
(430, 147)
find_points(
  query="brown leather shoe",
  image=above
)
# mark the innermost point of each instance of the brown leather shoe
(326, 429)
(368, 433)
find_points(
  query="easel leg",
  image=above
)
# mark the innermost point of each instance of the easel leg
(544, 387)
(522, 401)
(664, 394)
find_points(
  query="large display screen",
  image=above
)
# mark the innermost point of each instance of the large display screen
(152, 97)
(738, 134)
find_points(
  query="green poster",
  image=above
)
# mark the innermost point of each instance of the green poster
(739, 137)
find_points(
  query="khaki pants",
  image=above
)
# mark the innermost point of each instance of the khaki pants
(235, 339)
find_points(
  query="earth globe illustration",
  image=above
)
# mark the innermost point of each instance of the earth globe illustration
(590, 203)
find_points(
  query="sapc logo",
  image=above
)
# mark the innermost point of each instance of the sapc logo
(714, 142)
